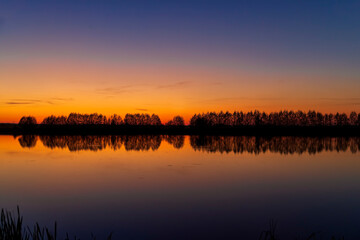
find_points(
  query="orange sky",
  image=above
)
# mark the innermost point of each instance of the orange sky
(59, 86)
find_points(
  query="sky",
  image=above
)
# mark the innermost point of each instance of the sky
(177, 57)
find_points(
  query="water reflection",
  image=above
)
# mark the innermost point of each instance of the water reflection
(283, 145)
(28, 141)
(95, 143)
(176, 141)
(222, 144)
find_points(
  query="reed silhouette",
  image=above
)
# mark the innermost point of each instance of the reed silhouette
(220, 144)
(270, 234)
(12, 228)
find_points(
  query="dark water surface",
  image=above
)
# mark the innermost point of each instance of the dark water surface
(182, 187)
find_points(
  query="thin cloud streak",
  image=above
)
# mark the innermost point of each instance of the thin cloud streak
(175, 85)
(62, 99)
(115, 90)
(239, 99)
(18, 103)
(51, 101)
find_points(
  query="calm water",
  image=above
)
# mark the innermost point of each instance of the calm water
(160, 187)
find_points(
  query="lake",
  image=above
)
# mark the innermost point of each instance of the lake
(184, 187)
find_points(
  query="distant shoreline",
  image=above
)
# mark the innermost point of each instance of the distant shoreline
(40, 129)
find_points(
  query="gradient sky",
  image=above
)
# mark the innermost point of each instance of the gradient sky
(177, 57)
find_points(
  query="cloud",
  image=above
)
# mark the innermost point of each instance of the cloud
(22, 101)
(62, 99)
(226, 99)
(174, 85)
(114, 90)
(18, 103)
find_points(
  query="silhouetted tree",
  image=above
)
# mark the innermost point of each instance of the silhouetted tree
(141, 119)
(53, 120)
(176, 121)
(116, 120)
(155, 120)
(353, 119)
(282, 118)
(27, 121)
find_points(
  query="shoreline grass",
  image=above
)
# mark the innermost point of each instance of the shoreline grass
(12, 228)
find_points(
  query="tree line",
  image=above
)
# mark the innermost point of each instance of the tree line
(99, 119)
(282, 118)
(209, 119)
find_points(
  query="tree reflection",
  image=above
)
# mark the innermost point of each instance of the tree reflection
(96, 143)
(76, 143)
(283, 145)
(142, 142)
(221, 144)
(28, 141)
(177, 141)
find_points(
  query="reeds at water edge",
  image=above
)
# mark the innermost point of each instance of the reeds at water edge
(12, 228)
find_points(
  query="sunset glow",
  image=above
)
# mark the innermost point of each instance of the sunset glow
(179, 119)
(177, 59)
